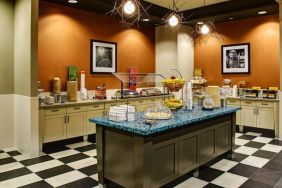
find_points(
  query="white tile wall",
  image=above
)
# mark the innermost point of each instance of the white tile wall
(6, 121)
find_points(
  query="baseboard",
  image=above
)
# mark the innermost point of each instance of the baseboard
(264, 132)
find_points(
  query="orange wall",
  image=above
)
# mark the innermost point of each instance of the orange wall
(64, 39)
(263, 35)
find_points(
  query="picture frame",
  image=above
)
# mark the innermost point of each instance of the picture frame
(235, 59)
(103, 58)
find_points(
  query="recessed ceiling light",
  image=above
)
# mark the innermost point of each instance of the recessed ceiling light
(146, 20)
(72, 1)
(200, 23)
(262, 12)
(231, 18)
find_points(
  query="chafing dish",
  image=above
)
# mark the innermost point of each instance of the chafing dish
(126, 94)
(150, 92)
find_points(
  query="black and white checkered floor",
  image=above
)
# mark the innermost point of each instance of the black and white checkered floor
(257, 164)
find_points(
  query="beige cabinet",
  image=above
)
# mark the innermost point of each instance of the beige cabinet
(54, 128)
(265, 118)
(76, 124)
(141, 108)
(91, 127)
(248, 116)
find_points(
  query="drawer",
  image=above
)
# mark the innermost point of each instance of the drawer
(265, 104)
(233, 102)
(95, 107)
(248, 103)
(140, 102)
(76, 109)
(151, 101)
(130, 103)
(55, 111)
(108, 105)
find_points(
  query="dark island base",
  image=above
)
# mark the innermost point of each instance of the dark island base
(135, 161)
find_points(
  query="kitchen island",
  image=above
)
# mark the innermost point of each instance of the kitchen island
(135, 154)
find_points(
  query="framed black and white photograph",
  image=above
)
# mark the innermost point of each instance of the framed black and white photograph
(235, 59)
(103, 57)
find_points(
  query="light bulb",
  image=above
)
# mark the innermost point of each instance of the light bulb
(173, 21)
(205, 29)
(129, 7)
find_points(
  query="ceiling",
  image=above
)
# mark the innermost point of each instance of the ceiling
(193, 10)
(185, 4)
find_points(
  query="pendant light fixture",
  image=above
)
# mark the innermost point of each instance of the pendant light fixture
(203, 30)
(173, 18)
(130, 12)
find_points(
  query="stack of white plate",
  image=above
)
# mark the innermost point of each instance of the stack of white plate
(49, 100)
(122, 113)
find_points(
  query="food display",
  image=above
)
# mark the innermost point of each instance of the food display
(174, 84)
(174, 104)
(158, 111)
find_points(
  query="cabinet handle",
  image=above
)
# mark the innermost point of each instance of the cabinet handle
(65, 119)
(68, 119)
(95, 106)
(76, 108)
(257, 111)
(232, 101)
(248, 102)
(265, 104)
(55, 110)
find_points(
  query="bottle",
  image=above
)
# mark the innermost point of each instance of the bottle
(189, 96)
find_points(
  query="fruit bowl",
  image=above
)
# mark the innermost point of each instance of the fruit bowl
(173, 84)
(174, 104)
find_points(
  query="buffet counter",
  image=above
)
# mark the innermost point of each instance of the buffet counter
(154, 155)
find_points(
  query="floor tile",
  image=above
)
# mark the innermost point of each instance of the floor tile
(65, 153)
(86, 148)
(246, 150)
(208, 174)
(238, 157)
(238, 135)
(272, 148)
(80, 144)
(91, 153)
(264, 154)
(36, 160)
(14, 153)
(210, 185)
(243, 170)
(9, 149)
(275, 166)
(278, 184)
(229, 180)
(95, 177)
(253, 134)
(14, 173)
(241, 142)
(10, 166)
(247, 137)
(51, 172)
(224, 165)
(56, 149)
(73, 158)
(39, 184)
(276, 142)
(254, 184)
(255, 161)
(89, 170)
(62, 179)
(264, 140)
(7, 160)
(253, 144)
(266, 176)
(21, 157)
(45, 165)
(83, 163)
(85, 182)
(20, 181)
(4, 155)
(192, 182)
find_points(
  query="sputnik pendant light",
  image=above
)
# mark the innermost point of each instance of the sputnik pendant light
(129, 11)
(173, 18)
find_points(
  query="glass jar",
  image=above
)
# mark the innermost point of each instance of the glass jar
(208, 102)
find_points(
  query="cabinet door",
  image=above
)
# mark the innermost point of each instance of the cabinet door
(141, 108)
(248, 116)
(76, 125)
(54, 128)
(91, 127)
(238, 115)
(206, 145)
(222, 138)
(265, 118)
(188, 153)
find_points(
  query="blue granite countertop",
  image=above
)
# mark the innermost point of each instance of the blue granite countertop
(180, 118)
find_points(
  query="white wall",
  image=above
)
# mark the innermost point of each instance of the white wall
(174, 49)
